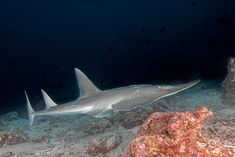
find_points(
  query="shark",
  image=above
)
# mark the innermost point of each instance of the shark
(96, 102)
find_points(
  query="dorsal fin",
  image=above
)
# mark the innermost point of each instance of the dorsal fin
(30, 109)
(48, 101)
(86, 87)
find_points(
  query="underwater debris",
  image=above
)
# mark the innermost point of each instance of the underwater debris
(229, 82)
(176, 134)
(11, 138)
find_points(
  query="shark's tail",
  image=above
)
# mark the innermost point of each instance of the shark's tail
(30, 110)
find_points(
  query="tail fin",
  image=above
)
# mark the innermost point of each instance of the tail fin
(30, 109)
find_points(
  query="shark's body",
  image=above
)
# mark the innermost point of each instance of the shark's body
(95, 102)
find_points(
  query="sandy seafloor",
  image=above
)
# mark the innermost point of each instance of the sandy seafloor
(84, 136)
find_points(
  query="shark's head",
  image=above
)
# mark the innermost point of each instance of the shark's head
(142, 95)
(160, 91)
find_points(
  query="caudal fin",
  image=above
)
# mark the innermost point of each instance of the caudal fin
(30, 109)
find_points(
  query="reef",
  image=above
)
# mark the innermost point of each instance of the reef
(176, 134)
(229, 82)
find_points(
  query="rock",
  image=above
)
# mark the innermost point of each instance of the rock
(176, 134)
(11, 138)
(222, 127)
(130, 119)
(229, 82)
(8, 154)
(104, 145)
(52, 154)
(95, 125)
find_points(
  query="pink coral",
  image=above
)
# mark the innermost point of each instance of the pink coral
(176, 134)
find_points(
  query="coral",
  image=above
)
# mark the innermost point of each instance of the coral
(176, 134)
(11, 138)
(103, 145)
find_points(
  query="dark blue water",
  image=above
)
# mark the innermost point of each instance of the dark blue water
(115, 42)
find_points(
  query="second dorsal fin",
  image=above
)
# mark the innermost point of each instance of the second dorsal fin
(86, 87)
(48, 101)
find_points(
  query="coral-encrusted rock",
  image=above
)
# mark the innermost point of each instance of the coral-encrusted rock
(11, 138)
(176, 134)
(229, 82)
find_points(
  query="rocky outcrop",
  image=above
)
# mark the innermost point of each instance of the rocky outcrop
(229, 82)
(176, 134)
(103, 145)
(11, 138)
(135, 118)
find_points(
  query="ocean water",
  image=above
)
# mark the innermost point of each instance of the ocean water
(115, 43)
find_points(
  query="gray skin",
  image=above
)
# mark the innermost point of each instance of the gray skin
(96, 103)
